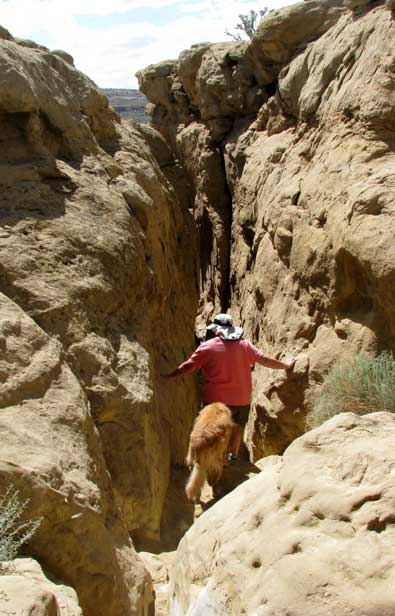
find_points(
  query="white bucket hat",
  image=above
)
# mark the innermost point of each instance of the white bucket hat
(222, 326)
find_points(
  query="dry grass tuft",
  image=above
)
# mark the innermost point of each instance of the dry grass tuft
(364, 385)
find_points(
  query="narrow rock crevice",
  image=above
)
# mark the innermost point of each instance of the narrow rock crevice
(226, 299)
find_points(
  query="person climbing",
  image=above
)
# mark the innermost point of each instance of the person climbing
(226, 359)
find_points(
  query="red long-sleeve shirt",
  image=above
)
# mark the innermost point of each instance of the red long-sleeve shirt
(227, 369)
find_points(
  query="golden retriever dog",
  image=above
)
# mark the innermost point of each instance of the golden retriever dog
(208, 448)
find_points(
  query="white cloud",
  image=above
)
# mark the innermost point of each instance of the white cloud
(81, 7)
(111, 54)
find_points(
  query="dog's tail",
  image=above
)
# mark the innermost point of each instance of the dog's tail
(195, 482)
(189, 460)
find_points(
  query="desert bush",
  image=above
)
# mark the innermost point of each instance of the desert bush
(247, 24)
(363, 385)
(14, 532)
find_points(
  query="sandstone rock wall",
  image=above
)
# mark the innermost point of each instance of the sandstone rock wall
(303, 120)
(99, 296)
(313, 533)
(51, 453)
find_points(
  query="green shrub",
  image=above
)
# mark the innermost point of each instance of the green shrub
(13, 532)
(363, 385)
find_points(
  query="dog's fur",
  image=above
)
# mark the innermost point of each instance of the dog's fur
(208, 448)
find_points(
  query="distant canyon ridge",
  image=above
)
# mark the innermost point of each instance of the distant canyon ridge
(128, 103)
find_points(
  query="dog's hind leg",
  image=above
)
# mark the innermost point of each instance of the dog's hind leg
(195, 482)
(213, 476)
(215, 467)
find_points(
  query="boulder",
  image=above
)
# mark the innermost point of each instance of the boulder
(52, 455)
(5, 35)
(211, 82)
(24, 589)
(64, 55)
(189, 62)
(286, 32)
(325, 80)
(155, 81)
(313, 533)
(225, 84)
(48, 96)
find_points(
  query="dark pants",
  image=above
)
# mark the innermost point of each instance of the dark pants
(240, 417)
(240, 414)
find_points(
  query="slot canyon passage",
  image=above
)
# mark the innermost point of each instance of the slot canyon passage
(263, 186)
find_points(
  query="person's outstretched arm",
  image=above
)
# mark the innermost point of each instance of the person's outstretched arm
(269, 362)
(275, 364)
(195, 362)
(173, 375)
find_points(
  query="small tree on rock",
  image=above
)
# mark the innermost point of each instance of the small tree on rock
(247, 25)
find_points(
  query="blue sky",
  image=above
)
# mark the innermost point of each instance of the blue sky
(111, 39)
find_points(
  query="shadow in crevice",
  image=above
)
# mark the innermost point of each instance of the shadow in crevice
(179, 514)
(234, 475)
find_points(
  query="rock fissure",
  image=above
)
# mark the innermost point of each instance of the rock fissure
(226, 297)
(263, 186)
